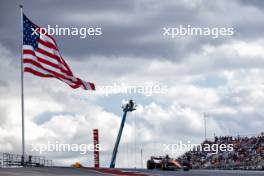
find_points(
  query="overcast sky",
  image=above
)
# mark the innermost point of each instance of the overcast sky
(221, 76)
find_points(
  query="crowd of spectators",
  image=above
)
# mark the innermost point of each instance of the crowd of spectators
(248, 153)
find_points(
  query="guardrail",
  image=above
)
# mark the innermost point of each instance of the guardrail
(14, 160)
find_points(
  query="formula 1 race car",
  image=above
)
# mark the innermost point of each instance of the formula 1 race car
(167, 163)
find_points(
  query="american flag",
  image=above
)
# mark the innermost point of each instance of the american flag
(41, 57)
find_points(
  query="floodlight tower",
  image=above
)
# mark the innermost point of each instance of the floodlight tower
(129, 107)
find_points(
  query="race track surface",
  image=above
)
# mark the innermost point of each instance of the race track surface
(64, 171)
(204, 173)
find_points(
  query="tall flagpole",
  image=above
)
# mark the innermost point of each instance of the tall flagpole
(22, 90)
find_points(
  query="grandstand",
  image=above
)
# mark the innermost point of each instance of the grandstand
(248, 154)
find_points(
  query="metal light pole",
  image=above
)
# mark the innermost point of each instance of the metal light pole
(205, 130)
(141, 157)
(130, 106)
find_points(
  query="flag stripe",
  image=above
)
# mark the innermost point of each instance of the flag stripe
(47, 60)
(43, 62)
(49, 50)
(50, 55)
(50, 59)
(48, 39)
(47, 44)
(35, 72)
(49, 70)
(41, 74)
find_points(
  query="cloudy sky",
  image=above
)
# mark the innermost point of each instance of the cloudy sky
(220, 76)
